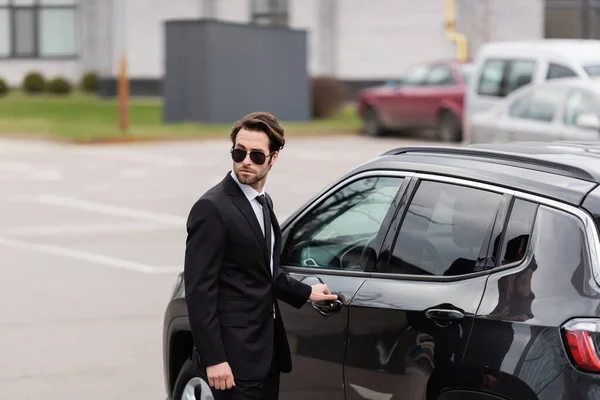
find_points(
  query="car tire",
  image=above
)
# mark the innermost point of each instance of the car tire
(449, 129)
(190, 386)
(372, 125)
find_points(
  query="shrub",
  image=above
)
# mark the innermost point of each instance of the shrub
(89, 82)
(3, 87)
(34, 82)
(328, 96)
(59, 86)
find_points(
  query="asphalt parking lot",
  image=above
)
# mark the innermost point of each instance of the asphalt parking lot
(91, 239)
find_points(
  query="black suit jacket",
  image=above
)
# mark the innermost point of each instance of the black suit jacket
(229, 289)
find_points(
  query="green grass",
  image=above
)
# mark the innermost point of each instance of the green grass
(83, 118)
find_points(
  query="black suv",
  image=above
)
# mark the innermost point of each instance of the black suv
(462, 273)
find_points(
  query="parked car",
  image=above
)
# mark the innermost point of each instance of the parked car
(563, 109)
(428, 96)
(461, 273)
(503, 67)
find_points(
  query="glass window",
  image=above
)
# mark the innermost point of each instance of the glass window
(466, 70)
(518, 232)
(544, 104)
(334, 234)
(556, 71)
(57, 32)
(490, 81)
(416, 76)
(41, 28)
(520, 74)
(520, 106)
(270, 12)
(440, 75)
(579, 102)
(4, 32)
(592, 70)
(539, 105)
(446, 230)
(24, 31)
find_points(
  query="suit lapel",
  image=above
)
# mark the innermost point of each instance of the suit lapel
(241, 202)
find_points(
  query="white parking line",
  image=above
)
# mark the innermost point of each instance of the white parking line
(70, 202)
(90, 257)
(53, 230)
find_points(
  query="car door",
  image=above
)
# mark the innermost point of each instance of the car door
(410, 321)
(441, 89)
(579, 102)
(328, 243)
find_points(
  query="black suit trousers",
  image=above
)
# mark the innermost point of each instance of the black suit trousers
(266, 389)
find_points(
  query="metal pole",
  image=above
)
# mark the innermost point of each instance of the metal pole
(123, 79)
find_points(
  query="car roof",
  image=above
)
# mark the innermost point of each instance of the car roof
(583, 50)
(564, 171)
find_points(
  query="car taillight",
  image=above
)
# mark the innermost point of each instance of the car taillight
(582, 337)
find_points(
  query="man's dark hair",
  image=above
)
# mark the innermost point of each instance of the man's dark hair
(264, 122)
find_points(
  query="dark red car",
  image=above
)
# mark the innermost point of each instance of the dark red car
(428, 96)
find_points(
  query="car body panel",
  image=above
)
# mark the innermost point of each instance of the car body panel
(395, 350)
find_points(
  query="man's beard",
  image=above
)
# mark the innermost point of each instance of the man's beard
(250, 179)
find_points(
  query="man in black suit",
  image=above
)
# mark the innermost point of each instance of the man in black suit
(232, 276)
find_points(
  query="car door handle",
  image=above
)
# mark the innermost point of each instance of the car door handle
(326, 307)
(444, 315)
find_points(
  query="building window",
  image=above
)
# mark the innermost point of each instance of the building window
(269, 12)
(38, 28)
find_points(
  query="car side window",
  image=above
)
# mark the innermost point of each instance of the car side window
(334, 234)
(519, 108)
(501, 77)
(517, 233)
(416, 76)
(446, 230)
(540, 105)
(579, 102)
(520, 74)
(557, 71)
(492, 74)
(440, 75)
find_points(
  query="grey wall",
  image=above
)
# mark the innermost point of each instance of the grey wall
(219, 71)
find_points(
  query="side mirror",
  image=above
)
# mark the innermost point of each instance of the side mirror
(588, 121)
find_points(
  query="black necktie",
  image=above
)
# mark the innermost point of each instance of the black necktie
(267, 220)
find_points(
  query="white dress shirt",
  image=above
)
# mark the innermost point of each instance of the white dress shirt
(251, 194)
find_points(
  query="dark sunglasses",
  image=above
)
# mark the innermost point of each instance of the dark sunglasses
(257, 157)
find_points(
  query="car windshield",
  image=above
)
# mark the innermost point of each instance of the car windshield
(593, 70)
(466, 70)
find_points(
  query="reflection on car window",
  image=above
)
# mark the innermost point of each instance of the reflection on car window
(334, 234)
(446, 230)
(518, 231)
(579, 102)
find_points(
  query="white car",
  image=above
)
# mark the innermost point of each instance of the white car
(562, 109)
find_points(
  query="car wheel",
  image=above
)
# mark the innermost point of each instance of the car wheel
(449, 128)
(190, 386)
(372, 125)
